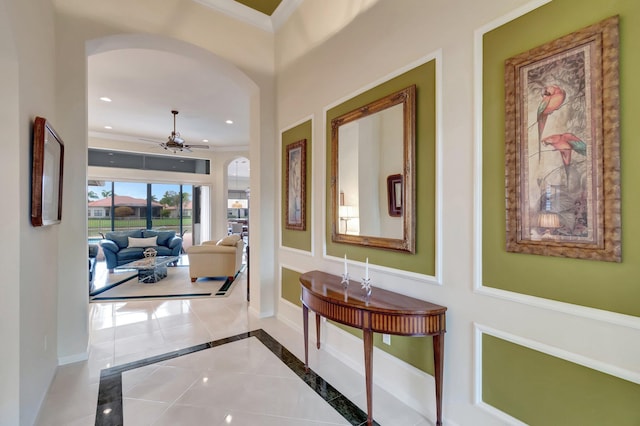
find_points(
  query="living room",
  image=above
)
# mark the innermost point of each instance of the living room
(327, 53)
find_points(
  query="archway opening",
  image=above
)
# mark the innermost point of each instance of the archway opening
(238, 196)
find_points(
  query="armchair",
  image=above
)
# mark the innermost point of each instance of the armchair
(216, 259)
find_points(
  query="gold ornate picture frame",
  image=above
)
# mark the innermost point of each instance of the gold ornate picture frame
(296, 182)
(562, 159)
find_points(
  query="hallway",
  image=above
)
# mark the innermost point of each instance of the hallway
(239, 381)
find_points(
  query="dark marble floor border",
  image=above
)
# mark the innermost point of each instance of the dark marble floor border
(109, 410)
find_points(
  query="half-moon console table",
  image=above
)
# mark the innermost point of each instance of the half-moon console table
(383, 312)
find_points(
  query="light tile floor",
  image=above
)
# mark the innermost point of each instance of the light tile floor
(175, 392)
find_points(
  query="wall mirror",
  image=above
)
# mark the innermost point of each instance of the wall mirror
(372, 174)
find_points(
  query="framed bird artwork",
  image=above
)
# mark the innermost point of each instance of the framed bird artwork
(562, 161)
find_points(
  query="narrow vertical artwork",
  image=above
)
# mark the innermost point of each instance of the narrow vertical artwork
(296, 186)
(562, 153)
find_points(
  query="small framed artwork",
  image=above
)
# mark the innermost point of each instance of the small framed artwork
(46, 174)
(394, 195)
(562, 159)
(295, 191)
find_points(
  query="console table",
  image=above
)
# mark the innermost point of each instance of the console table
(383, 312)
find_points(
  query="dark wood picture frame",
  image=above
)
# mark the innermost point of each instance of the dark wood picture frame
(46, 174)
(296, 185)
(562, 158)
(394, 195)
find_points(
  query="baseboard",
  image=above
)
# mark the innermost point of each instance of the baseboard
(70, 359)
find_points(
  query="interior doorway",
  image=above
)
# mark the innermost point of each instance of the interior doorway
(238, 197)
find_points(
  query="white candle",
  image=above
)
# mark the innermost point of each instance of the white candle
(366, 269)
(345, 264)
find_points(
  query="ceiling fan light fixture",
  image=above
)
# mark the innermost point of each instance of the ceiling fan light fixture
(174, 142)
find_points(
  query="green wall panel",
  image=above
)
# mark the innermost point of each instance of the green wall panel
(265, 6)
(603, 285)
(540, 389)
(300, 240)
(417, 351)
(291, 286)
(423, 261)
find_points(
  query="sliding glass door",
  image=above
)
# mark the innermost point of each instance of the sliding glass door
(123, 206)
(177, 211)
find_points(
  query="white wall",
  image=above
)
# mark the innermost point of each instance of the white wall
(9, 223)
(316, 70)
(28, 307)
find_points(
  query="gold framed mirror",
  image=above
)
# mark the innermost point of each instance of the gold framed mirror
(372, 174)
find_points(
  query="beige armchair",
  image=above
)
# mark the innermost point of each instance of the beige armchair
(216, 259)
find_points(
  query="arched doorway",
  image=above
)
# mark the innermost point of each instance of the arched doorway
(238, 196)
(218, 192)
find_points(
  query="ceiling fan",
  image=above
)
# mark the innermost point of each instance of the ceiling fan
(175, 143)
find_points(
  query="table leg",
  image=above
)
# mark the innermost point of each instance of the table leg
(305, 326)
(368, 371)
(318, 331)
(438, 358)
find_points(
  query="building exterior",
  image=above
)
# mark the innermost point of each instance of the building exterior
(102, 208)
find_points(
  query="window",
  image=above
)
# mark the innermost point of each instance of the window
(137, 205)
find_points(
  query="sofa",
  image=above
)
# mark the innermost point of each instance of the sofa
(120, 247)
(93, 253)
(221, 258)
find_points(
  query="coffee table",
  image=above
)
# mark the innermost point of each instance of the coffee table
(150, 269)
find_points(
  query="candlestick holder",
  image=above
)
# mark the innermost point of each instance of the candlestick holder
(345, 280)
(366, 286)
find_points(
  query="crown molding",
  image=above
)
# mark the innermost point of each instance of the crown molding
(253, 17)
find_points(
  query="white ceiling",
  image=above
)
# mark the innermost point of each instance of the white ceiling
(146, 84)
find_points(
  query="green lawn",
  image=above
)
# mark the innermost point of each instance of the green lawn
(96, 225)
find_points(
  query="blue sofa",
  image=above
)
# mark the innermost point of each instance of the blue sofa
(118, 250)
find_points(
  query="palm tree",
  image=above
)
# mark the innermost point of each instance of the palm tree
(91, 195)
(106, 194)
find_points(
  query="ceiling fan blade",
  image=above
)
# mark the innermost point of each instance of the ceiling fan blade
(197, 146)
(150, 140)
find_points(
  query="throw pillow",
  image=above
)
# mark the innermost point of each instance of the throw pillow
(163, 236)
(143, 242)
(121, 238)
(231, 240)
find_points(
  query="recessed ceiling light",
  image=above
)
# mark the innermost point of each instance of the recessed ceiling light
(229, 121)
(108, 127)
(205, 140)
(105, 99)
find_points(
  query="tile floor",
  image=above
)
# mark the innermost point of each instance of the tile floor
(237, 381)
